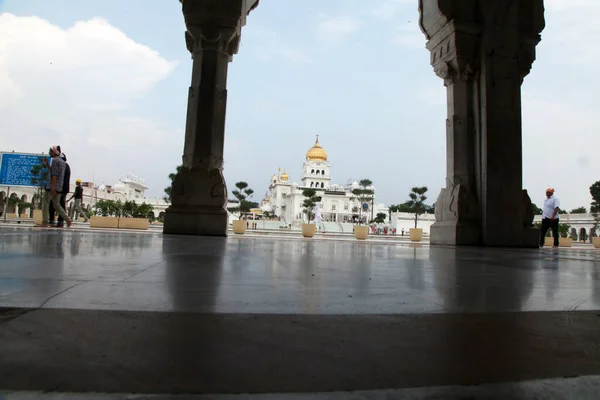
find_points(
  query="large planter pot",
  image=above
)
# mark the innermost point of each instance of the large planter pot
(565, 242)
(134, 223)
(11, 215)
(596, 242)
(309, 230)
(416, 234)
(24, 216)
(361, 232)
(239, 226)
(37, 217)
(548, 241)
(104, 222)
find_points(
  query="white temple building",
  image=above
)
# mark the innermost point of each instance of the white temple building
(284, 198)
(130, 187)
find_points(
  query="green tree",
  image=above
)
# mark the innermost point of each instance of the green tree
(40, 175)
(109, 208)
(595, 192)
(416, 203)
(310, 200)
(242, 193)
(169, 189)
(380, 218)
(595, 206)
(364, 195)
(579, 210)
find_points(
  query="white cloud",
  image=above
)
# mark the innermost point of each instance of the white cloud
(75, 87)
(334, 29)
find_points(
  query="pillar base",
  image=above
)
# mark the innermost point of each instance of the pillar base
(198, 221)
(455, 233)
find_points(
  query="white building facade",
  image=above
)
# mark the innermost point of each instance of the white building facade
(130, 187)
(284, 199)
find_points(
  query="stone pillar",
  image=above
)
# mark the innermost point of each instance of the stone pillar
(199, 192)
(483, 49)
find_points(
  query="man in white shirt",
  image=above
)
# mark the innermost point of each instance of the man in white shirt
(550, 217)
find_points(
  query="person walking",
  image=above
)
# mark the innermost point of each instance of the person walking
(63, 195)
(78, 196)
(550, 217)
(54, 188)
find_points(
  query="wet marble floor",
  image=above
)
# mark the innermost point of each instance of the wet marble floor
(127, 312)
(151, 272)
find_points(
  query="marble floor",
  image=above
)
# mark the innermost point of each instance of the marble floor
(127, 312)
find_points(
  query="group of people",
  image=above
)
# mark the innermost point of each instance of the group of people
(57, 188)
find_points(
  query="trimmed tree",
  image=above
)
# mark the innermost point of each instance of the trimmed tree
(169, 189)
(242, 193)
(310, 200)
(564, 230)
(595, 206)
(579, 210)
(416, 204)
(379, 218)
(364, 195)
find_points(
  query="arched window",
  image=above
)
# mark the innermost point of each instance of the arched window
(322, 185)
(318, 172)
(323, 172)
(312, 184)
(312, 171)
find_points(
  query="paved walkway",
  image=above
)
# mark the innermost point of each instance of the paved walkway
(124, 312)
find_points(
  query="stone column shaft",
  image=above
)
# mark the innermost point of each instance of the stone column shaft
(483, 49)
(199, 192)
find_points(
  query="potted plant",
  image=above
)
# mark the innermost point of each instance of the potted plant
(564, 240)
(242, 194)
(308, 205)
(595, 209)
(135, 216)
(106, 215)
(24, 205)
(364, 195)
(417, 207)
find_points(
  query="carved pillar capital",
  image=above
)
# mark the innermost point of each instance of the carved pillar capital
(455, 52)
(225, 40)
(215, 24)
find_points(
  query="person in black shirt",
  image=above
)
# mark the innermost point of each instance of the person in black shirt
(63, 195)
(78, 196)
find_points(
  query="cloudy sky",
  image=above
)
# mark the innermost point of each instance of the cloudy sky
(108, 81)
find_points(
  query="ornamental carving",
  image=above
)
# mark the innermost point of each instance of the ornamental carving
(456, 202)
(200, 187)
(222, 40)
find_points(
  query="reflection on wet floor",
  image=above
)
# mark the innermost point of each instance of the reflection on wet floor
(152, 272)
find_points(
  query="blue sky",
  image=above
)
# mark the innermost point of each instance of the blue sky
(108, 81)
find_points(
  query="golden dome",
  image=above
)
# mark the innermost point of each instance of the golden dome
(284, 177)
(316, 152)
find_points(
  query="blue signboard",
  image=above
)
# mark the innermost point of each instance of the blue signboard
(15, 168)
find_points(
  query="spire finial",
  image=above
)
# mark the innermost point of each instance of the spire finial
(317, 141)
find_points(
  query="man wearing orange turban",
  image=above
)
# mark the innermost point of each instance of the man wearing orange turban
(550, 217)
